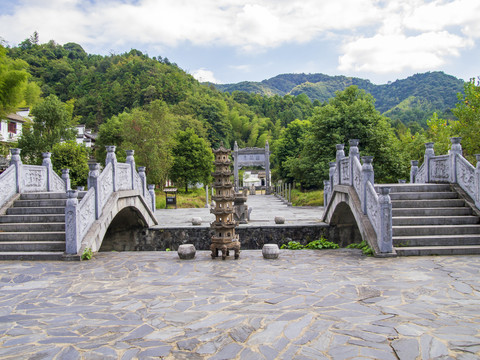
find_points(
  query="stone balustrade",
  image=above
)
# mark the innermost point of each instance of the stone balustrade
(348, 170)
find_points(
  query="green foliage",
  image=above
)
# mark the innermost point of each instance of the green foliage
(53, 123)
(467, 111)
(73, 156)
(293, 245)
(366, 249)
(307, 198)
(87, 254)
(321, 243)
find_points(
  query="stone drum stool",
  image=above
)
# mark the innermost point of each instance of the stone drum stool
(270, 251)
(186, 251)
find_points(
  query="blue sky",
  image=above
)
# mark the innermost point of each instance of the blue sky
(234, 40)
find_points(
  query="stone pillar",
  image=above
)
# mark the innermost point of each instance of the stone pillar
(66, 178)
(206, 196)
(47, 162)
(290, 194)
(71, 226)
(93, 174)
(429, 152)
(151, 190)
(477, 182)
(112, 158)
(456, 149)
(367, 176)
(413, 171)
(131, 160)
(385, 236)
(353, 152)
(267, 168)
(331, 173)
(17, 161)
(339, 155)
(235, 167)
(143, 177)
(326, 192)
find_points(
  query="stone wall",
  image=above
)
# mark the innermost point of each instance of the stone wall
(251, 237)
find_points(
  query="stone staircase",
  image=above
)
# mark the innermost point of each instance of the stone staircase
(34, 228)
(432, 219)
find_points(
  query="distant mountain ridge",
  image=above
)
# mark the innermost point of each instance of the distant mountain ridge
(412, 99)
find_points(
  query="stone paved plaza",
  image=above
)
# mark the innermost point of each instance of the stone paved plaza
(309, 304)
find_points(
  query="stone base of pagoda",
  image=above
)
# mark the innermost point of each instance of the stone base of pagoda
(224, 246)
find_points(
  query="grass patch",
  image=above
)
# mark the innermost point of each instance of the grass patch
(307, 198)
(195, 198)
(366, 249)
(319, 244)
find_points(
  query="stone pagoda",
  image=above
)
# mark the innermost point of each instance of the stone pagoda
(224, 237)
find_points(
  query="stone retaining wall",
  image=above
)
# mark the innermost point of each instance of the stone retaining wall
(251, 237)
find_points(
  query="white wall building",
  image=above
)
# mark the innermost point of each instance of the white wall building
(11, 127)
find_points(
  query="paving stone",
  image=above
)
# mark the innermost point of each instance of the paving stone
(406, 348)
(241, 333)
(155, 352)
(229, 351)
(188, 344)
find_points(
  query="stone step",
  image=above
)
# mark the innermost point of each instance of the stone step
(426, 230)
(423, 195)
(35, 211)
(455, 211)
(434, 220)
(46, 218)
(438, 250)
(44, 256)
(43, 196)
(428, 203)
(395, 188)
(32, 236)
(445, 240)
(32, 227)
(40, 203)
(7, 246)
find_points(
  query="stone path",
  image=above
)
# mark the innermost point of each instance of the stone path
(264, 210)
(333, 304)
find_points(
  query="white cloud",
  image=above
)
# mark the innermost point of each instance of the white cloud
(204, 75)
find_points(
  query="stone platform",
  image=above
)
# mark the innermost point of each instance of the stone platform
(308, 304)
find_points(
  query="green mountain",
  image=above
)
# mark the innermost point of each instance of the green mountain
(412, 99)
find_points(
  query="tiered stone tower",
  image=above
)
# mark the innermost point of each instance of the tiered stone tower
(224, 237)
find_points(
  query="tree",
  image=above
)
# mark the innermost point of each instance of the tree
(52, 123)
(73, 156)
(467, 111)
(193, 160)
(350, 114)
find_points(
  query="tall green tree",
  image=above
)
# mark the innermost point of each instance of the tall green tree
(52, 124)
(350, 115)
(193, 160)
(467, 111)
(73, 156)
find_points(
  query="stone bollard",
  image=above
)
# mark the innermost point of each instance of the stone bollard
(270, 251)
(186, 251)
(196, 221)
(279, 220)
(413, 171)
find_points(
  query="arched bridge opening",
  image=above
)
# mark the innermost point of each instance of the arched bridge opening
(344, 229)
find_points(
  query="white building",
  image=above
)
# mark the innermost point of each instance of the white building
(85, 136)
(11, 127)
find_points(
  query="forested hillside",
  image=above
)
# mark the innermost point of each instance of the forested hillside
(415, 98)
(149, 104)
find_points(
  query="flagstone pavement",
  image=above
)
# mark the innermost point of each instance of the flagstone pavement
(308, 304)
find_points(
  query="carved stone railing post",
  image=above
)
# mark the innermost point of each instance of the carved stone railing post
(47, 162)
(331, 173)
(455, 149)
(17, 161)
(326, 192)
(151, 190)
(385, 236)
(131, 160)
(339, 156)
(112, 158)
(353, 152)
(367, 176)
(143, 177)
(71, 224)
(413, 171)
(477, 182)
(429, 152)
(93, 175)
(66, 178)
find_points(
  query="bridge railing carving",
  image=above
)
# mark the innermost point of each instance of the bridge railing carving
(377, 207)
(450, 168)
